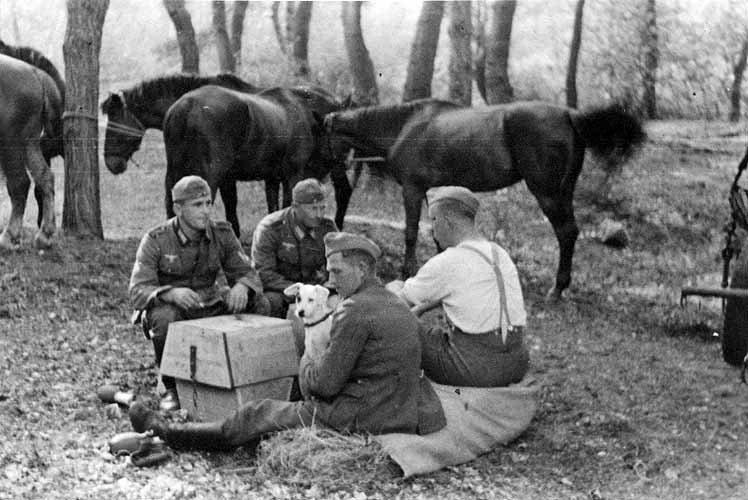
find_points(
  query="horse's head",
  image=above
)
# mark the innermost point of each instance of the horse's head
(124, 133)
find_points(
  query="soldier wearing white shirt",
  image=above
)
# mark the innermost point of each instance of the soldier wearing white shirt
(476, 283)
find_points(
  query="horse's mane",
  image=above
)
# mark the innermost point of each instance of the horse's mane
(398, 113)
(179, 84)
(36, 59)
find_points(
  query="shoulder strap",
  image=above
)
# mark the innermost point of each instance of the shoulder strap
(503, 310)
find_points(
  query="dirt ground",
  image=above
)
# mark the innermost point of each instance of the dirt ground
(636, 401)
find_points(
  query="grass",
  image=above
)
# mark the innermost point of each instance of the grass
(636, 401)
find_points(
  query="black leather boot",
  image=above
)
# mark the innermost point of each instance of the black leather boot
(197, 436)
(187, 436)
(143, 419)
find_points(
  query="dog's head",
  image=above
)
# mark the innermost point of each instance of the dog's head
(311, 300)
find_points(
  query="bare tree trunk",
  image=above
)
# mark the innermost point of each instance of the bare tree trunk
(279, 34)
(81, 213)
(479, 60)
(460, 60)
(290, 14)
(300, 55)
(14, 17)
(737, 81)
(423, 51)
(498, 88)
(223, 46)
(237, 29)
(185, 35)
(365, 91)
(576, 43)
(651, 58)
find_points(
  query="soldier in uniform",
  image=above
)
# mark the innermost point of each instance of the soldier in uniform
(288, 247)
(366, 379)
(476, 283)
(176, 268)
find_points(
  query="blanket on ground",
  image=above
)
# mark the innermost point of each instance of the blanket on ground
(477, 420)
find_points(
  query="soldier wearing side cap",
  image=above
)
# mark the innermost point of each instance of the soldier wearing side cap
(287, 246)
(365, 381)
(176, 268)
(476, 283)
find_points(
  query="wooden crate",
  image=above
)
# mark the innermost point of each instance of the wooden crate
(223, 361)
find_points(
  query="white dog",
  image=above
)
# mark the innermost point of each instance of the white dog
(312, 309)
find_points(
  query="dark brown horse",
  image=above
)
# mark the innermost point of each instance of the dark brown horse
(51, 142)
(434, 143)
(132, 111)
(144, 106)
(30, 108)
(228, 136)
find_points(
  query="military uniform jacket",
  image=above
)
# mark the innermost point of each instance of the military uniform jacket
(166, 259)
(369, 377)
(284, 253)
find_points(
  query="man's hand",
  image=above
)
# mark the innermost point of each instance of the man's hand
(237, 298)
(183, 297)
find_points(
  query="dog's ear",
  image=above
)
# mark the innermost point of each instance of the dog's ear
(322, 293)
(293, 290)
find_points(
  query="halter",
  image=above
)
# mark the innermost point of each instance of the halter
(315, 323)
(137, 131)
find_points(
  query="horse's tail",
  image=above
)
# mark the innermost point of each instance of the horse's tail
(52, 108)
(610, 132)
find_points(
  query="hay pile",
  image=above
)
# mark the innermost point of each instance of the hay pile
(323, 457)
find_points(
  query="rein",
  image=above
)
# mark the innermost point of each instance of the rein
(309, 325)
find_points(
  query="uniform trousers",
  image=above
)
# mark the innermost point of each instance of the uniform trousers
(452, 357)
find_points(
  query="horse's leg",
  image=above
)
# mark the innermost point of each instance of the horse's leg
(287, 195)
(413, 197)
(343, 191)
(44, 179)
(229, 197)
(560, 213)
(38, 191)
(271, 194)
(18, 184)
(39, 197)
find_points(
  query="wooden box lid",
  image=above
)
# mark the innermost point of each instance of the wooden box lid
(230, 351)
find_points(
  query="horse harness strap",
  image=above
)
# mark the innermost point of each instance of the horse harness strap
(503, 309)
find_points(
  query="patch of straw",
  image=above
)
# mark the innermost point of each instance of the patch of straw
(316, 455)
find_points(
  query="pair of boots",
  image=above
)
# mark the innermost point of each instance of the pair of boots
(187, 436)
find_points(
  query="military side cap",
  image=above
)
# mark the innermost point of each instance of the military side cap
(189, 188)
(308, 191)
(340, 241)
(459, 194)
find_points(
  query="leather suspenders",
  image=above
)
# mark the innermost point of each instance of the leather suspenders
(503, 310)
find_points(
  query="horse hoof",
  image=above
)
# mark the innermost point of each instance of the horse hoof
(554, 296)
(9, 246)
(42, 242)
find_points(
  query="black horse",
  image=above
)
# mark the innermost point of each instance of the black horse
(30, 110)
(435, 143)
(228, 136)
(51, 142)
(144, 106)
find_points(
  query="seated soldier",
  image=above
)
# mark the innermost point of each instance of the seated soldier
(287, 245)
(176, 267)
(476, 283)
(364, 381)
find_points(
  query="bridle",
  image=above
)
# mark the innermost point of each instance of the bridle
(137, 131)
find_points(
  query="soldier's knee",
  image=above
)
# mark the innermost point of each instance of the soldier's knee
(160, 317)
(261, 305)
(277, 304)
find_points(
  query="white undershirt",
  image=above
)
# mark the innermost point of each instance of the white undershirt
(466, 285)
